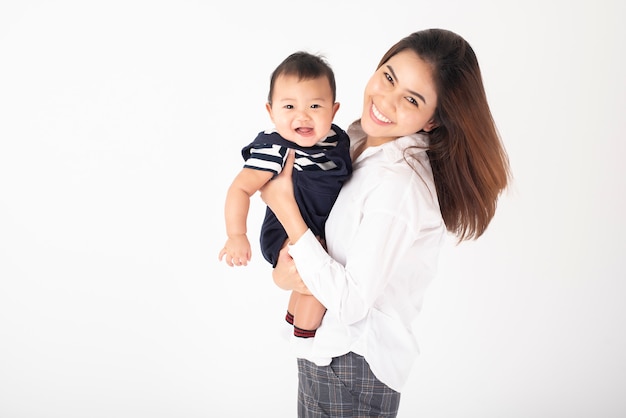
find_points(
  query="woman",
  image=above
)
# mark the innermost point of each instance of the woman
(426, 157)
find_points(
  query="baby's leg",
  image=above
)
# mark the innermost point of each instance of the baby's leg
(291, 307)
(308, 315)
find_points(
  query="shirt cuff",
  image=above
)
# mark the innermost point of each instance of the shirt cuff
(309, 256)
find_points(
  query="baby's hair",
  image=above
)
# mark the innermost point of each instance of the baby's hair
(305, 66)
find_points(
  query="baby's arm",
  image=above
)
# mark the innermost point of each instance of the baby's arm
(237, 251)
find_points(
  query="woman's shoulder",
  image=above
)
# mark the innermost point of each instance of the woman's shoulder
(405, 181)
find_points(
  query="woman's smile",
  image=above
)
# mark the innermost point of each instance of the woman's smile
(378, 116)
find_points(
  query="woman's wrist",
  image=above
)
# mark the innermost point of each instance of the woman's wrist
(293, 223)
(296, 231)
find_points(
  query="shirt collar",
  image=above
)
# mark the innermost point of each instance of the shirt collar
(393, 150)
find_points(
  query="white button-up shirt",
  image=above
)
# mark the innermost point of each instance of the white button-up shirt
(383, 235)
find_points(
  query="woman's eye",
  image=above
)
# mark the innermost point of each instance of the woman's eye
(412, 101)
(389, 78)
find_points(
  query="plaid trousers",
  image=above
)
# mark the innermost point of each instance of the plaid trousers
(346, 388)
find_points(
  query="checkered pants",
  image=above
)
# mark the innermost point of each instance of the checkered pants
(345, 388)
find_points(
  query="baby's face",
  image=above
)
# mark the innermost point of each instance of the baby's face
(302, 110)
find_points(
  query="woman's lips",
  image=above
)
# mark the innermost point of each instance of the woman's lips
(378, 116)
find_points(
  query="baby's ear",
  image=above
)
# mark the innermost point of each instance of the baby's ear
(335, 108)
(268, 107)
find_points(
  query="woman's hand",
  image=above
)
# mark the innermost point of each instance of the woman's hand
(286, 275)
(278, 195)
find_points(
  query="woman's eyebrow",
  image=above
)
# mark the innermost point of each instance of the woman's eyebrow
(393, 73)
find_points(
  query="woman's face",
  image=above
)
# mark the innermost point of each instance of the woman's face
(400, 99)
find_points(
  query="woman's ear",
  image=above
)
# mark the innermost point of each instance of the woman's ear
(430, 126)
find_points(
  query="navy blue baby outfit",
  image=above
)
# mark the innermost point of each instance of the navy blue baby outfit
(318, 174)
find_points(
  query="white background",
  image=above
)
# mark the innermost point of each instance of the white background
(120, 130)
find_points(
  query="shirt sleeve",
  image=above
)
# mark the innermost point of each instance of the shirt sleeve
(376, 252)
(267, 157)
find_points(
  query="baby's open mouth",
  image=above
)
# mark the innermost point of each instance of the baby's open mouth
(304, 131)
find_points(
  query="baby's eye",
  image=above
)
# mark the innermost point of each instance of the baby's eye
(315, 106)
(288, 106)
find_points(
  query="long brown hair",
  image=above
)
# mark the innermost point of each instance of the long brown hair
(470, 165)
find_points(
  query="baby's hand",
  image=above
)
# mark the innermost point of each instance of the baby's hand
(236, 251)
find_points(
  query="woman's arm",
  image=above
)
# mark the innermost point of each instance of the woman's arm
(386, 244)
(335, 285)
(278, 195)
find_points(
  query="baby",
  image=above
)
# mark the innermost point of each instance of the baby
(301, 104)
